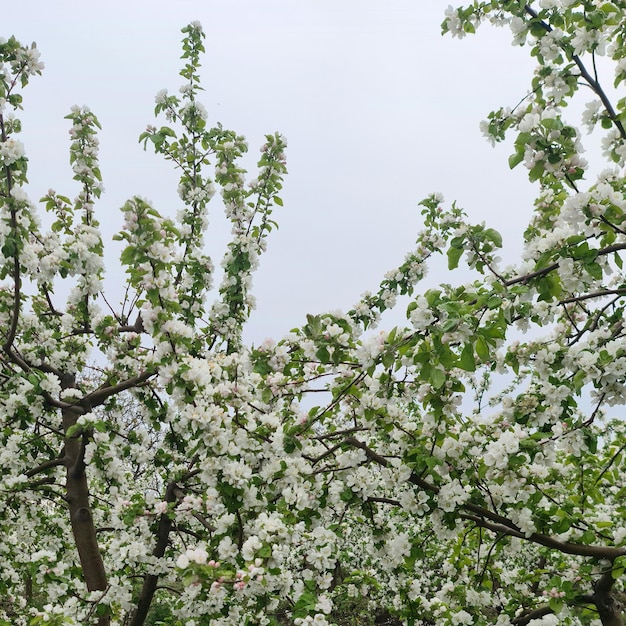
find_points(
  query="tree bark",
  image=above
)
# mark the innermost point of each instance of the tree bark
(610, 609)
(81, 518)
(146, 596)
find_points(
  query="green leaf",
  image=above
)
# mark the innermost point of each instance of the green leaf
(454, 254)
(594, 270)
(536, 172)
(551, 123)
(9, 248)
(265, 552)
(578, 380)
(468, 27)
(609, 7)
(466, 360)
(494, 236)
(128, 255)
(388, 359)
(73, 430)
(494, 302)
(323, 355)
(347, 495)
(482, 348)
(437, 377)
(516, 159)
(278, 201)
(618, 567)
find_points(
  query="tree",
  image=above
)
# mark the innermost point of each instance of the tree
(466, 468)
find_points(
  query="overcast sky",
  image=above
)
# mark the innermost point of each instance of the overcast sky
(379, 110)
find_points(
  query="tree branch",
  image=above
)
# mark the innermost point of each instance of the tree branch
(60, 460)
(498, 523)
(173, 493)
(591, 81)
(531, 614)
(550, 268)
(595, 294)
(97, 397)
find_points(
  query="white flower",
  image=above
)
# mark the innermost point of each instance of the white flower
(452, 495)
(182, 562)
(528, 122)
(250, 547)
(453, 22)
(591, 114)
(192, 555)
(161, 96)
(11, 151)
(324, 604)
(519, 29)
(160, 508)
(421, 316)
(462, 617)
(27, 60)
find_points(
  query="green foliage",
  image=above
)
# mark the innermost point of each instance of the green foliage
(463, 467)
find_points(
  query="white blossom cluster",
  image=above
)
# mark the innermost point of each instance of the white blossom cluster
(464, 467)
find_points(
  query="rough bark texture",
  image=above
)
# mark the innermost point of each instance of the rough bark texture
(172, 493)
(610, 609)
(81, 518)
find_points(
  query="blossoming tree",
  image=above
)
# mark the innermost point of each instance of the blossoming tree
(465, 468)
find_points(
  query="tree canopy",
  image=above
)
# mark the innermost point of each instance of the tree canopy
(466, 467)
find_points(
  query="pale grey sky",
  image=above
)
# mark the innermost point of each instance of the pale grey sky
(379, 110)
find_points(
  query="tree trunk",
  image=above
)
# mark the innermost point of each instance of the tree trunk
(610, 609)
(81, 518)
(146, 596)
